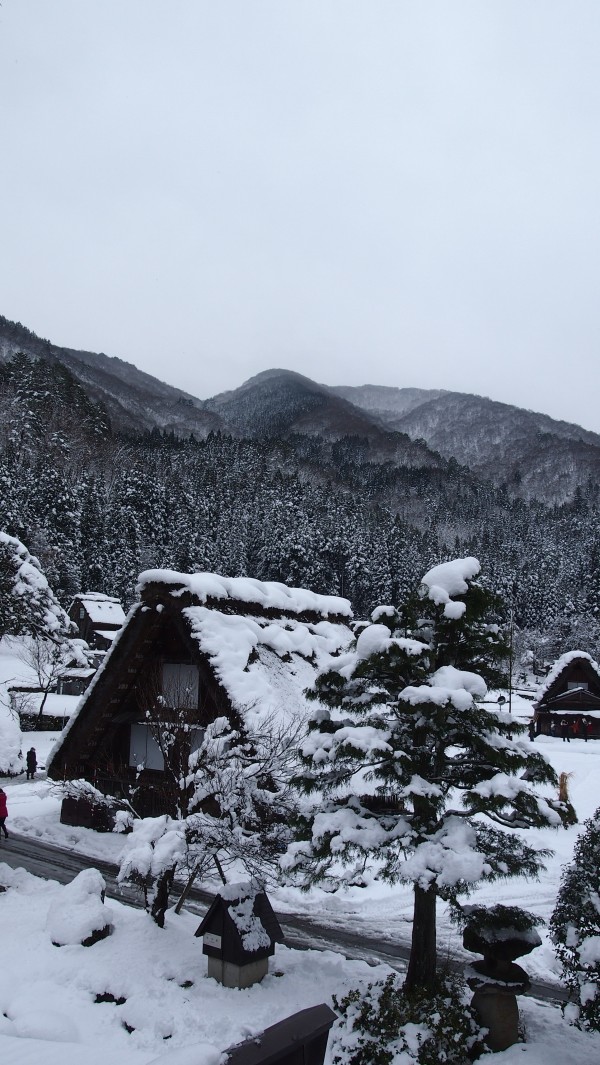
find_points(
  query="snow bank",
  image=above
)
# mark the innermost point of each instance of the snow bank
(11, 669)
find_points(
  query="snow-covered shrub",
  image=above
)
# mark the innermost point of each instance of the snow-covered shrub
(154, 848)
(78, 915)
(386, 1025)
(11, 761)
(575, 927)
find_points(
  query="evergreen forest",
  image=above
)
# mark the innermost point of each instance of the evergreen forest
(96, 507)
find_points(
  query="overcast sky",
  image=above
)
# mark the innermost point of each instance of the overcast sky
(402, 193)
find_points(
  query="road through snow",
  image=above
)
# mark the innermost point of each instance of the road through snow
(57, 863)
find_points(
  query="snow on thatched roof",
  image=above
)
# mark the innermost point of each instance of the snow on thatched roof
(263, 642)
(102, 609)
(246, 590)
(560, 665)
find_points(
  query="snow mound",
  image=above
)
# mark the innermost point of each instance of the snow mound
(79, 915)
(44, 1024)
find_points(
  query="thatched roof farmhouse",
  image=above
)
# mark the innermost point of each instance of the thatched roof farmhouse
(571, 691)
(220, 646)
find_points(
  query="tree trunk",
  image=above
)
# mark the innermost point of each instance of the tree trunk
(42, 704)
(422, 963)
(160, 902)
(188, 887)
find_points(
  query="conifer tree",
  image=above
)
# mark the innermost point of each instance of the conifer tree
(401, 719)
(575, 926)
(27, 603)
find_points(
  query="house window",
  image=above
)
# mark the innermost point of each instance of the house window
(571, 684)
(143, 749)
(180, 684)
(81, 613)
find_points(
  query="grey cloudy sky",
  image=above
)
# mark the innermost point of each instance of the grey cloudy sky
(383, 191)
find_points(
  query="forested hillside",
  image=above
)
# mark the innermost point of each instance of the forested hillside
(97, 507)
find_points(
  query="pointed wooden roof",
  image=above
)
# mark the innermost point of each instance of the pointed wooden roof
(258, 646)
(572, 684)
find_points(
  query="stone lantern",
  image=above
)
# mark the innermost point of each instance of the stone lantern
(501, 934)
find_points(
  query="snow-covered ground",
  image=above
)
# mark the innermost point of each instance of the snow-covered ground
(165, 1008)
(47, 993)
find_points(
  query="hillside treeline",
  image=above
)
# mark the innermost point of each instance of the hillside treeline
(96, 508)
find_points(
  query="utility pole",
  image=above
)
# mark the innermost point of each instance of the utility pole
(510, 654)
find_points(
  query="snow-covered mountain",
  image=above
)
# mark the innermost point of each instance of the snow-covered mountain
(135, 400)
(534, 455)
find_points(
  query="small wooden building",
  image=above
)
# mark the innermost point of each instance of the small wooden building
(98, 618)
(205, 645)
(570, 692)
(239, 934)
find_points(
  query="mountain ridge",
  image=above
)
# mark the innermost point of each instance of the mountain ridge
(532, 454)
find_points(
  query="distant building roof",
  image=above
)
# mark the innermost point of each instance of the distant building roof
(102, 609)
(574, 678)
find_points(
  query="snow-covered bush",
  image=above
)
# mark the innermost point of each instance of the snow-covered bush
(11, 761)
(78, 915)
(237, 800)
(386, 1025)
(575, 927)
(154, 849)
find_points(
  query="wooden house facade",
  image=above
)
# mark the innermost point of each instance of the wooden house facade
(571, 692)
(98, 618)
(204, 645)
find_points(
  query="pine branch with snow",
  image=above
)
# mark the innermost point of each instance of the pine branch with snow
(575, 927)
(404, 760)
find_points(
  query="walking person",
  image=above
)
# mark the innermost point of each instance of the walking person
(31, 760)
(531, 730)
(3, 813)
(565, 729)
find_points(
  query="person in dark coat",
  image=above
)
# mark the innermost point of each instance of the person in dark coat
(531, 730)
(565, 730)
(31, 763)
(3, 813)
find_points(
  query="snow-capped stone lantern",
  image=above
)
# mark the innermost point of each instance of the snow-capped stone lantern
(239, 933)
(501, 934)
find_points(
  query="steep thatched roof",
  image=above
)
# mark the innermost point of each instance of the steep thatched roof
(573, 683)
(258, 646)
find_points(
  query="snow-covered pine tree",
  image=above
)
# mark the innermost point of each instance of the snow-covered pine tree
(403, 721)
(27, 603)
(575, 926)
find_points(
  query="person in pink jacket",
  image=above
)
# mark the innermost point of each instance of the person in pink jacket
(3, 812)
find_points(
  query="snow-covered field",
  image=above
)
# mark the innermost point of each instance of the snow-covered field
(47, 994)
